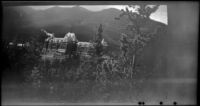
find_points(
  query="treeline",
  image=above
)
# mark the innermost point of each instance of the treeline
(102, 71)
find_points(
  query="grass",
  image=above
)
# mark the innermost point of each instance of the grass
(91, 79)
(94, 92)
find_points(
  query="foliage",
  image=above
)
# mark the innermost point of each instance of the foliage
(97, 71)
(124, 45)
(21, 58)
(98, 45)
(133, 44)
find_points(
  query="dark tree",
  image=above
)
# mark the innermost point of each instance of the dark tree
(99, 38)
(138, 39)
(124, 45)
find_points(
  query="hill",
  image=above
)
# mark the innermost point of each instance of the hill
(26, 22)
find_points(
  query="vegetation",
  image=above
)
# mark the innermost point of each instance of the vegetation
(97, 74)
(99, 38)
(136, 41)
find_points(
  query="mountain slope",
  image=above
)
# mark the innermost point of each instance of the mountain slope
(28, 22)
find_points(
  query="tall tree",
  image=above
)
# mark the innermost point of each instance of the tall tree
(137, 15)
(99, 38)
(124, 45)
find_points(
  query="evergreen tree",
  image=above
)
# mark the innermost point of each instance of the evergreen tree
(138, 39)
(99, 38)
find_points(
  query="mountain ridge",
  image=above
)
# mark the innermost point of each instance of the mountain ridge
(62, 20)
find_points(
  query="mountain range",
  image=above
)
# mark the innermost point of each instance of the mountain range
(171, 52)
(23, 21)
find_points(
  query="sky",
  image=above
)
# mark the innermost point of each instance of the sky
(160, 15)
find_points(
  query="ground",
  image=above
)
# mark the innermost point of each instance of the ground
(150, 92)
(90, 91)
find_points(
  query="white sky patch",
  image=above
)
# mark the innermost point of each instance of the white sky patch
(64, 6)
(40, 7)
(160, 15)
(101, 7)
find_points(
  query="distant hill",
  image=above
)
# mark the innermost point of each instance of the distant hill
(26, 22)
(172, 54)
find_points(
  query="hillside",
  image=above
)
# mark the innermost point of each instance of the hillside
(28, 22)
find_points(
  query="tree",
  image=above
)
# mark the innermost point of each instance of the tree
(124, 45)
(138, 38)
(99, 38)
